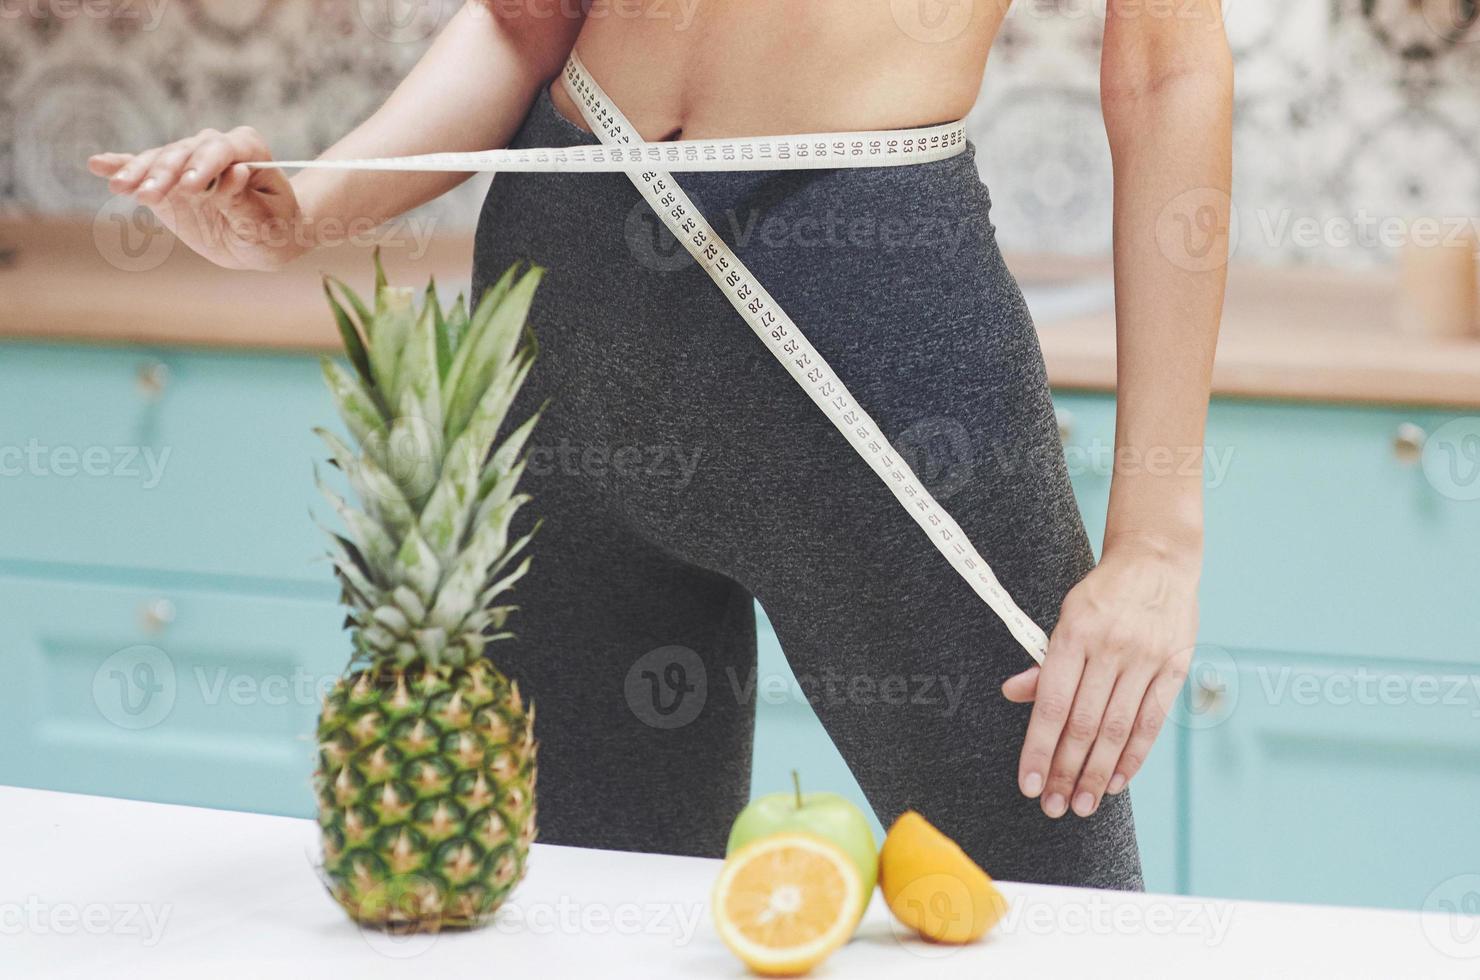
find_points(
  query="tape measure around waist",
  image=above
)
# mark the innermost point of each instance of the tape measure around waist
(807, 151)
(650, 167)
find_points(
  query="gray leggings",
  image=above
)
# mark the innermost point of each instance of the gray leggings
(681, 474)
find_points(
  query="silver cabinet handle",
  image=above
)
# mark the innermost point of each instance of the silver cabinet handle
(152, 378)
(156, 614)
(1408, 444)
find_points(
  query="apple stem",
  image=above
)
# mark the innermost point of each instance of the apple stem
(796, 782)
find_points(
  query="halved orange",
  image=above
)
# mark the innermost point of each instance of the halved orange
(783, 903)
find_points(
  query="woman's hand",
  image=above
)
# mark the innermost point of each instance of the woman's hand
(200, 189)
(1115, 664)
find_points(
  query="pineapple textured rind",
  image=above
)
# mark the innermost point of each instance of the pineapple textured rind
(426, 768)
(426, 795)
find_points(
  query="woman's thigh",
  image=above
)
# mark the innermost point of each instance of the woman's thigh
(901, 659)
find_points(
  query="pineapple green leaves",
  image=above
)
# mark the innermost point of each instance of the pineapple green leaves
(424, 394)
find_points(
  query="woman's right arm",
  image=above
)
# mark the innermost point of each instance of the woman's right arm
(470, 91)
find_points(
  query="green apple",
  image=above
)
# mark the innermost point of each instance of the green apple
(827, 815)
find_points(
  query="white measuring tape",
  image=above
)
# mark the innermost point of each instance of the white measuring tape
(650, 166)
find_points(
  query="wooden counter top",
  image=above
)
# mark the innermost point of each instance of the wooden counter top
(1302, 334)
(97, 281)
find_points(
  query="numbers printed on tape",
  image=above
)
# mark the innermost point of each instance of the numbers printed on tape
(755, 153)
(823, 151)
(650, 167)
(802, 361)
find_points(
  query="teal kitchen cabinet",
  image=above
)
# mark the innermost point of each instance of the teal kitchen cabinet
(1333, 779)
(1327, 748)
(174, 694)
(1333, 567)
(1324, 535)
(158, 556)
(1336, 757)
(134, 461)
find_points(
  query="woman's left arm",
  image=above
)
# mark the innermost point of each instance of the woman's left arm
(1121, 650)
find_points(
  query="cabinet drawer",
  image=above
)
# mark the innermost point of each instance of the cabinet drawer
(1323, 530)
(177, 696)
(176, 461)
(1324, 535)
(1333, 780)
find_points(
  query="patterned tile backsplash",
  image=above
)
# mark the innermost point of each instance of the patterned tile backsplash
(1353, 116)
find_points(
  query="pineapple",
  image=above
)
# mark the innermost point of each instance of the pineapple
(426, 751)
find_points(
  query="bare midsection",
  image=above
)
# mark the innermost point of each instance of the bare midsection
(695, 69)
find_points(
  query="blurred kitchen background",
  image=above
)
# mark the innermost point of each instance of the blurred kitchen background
(1345, 107)
(162, 627)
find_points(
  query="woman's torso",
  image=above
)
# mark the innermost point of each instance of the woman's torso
(695, 69)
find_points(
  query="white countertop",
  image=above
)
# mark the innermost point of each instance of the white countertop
(93, 887)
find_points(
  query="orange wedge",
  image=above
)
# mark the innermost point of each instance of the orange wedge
(783, 903)
(933, 887)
